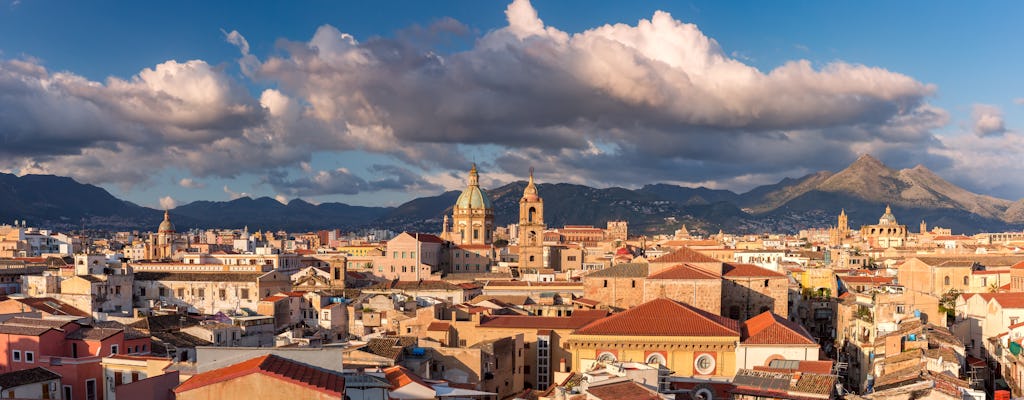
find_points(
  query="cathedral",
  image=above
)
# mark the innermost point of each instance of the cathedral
(473, 215)
(166, 242)
(887, 233)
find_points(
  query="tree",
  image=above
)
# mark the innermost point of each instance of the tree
(947, 303)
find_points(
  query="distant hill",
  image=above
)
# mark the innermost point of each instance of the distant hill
(863, 189)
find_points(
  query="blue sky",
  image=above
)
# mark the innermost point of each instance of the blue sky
(413, 91)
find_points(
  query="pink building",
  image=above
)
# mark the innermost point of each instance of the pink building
(411, 257)
(72, 349)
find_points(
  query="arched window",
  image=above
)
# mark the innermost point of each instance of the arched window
(606, 357)
(530, 213)
(965, 281)
(656, 358)
(945, 281)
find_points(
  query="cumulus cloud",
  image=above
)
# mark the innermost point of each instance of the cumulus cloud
(987, 120)
(619, 104)
(168, 203)
(190, 183)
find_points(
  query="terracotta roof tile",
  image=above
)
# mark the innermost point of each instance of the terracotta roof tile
(439, 326)
(768, 328)
(52, 306)
(399, 376)
(625, 390)
(663, 317)
(684, 255)
(271, 365)
(26, 377)
(740, 270)
(683, 271)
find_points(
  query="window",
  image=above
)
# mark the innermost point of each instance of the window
(223, 294)
(656, 358)
(606, 357)
(16, 355)
(67, 392)
(945, 281)
(403, 254)
(704, 364)
(476, 234)
(765, 283)
(142, 292)
(900, 309)
(90, 389)
(965, 281)
(113, 349)
(245, 294)
(632, 283)
(30, 357)
(605, 283)
(412, 254)
(181, 293)
(202, 293)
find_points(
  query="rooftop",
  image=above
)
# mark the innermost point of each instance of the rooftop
(274, 366)
(663, 317)
(684, 255)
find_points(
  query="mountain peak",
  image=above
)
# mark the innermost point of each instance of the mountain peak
(867, 160)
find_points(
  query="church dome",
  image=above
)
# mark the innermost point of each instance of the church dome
(887, 218)
(473, 197)
(166, 226)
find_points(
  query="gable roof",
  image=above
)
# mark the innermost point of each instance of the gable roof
(26, 377)
(683, 271)
(684, 255)
(663, 317)
(400, 376)
(628, 270)
(1008, 300)
(768, 328)
(741, 270)
(52, 306)
(284, 369)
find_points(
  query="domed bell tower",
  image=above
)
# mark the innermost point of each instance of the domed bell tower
(531, 227)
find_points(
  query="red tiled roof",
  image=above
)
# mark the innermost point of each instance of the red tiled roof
(749, 270)
(1019, 265)
(683, 271)
(625, 390)
(663, 317)
(439, 326)
(588, 302)
(684, 255)
(768, 328)
(1008, 300)
(399, 376)
(427, 238)
(52, 306)
(272, 366)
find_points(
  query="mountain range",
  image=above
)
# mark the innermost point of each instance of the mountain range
(863, 189)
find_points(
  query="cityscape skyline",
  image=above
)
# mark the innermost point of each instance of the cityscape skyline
(231, 101)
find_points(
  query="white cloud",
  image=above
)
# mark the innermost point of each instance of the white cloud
(168, 203)
(657, 99)
(987, 120)
(281, 199)
(233, 195)
(191, 183)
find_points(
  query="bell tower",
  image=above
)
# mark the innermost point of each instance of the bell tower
(531, 227)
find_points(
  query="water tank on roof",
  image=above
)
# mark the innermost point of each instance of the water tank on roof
(419, 351)
(917, 313)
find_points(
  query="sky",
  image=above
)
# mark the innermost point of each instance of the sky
(376, 103)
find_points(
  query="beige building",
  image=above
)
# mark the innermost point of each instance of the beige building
(531, 227)
(207, 292)
(473, 214)
(887, 233)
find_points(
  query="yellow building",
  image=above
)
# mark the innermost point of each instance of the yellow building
(686, 340)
